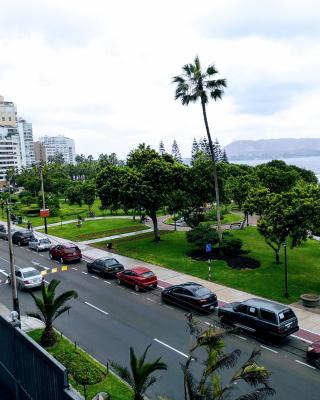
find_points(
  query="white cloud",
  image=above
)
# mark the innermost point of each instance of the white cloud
(101, 72)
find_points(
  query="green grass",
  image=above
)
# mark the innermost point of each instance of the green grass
(78, 361)
(266, 281)
(227, 219)
(95, 229)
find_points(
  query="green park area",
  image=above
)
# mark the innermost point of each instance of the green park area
(93, 229)
(266, 281)
(86, 375)
(226, 219)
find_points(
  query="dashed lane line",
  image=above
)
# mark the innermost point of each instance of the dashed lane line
(76, 269)
(148, 298)
(96, 308)
(306, 365)
(268, 348)
(3, 272)
(109, 283)
(171, 348)
(40, 265)
(94, 277)
(241, 337)
(85, 273)
(303, 340)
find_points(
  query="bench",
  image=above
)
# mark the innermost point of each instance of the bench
(236, 225)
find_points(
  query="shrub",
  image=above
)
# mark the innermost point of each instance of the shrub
(230, 246)
(202, 234)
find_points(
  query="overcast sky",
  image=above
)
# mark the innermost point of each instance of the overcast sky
(100, 71)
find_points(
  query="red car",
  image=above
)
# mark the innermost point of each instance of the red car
(313, 354)
(138, 277)
(65, 252)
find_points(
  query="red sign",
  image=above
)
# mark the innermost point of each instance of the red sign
(45, 212)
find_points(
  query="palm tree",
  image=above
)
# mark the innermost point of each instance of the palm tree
(51, 307)
(139, 378)
(211, 340)
(196, 84)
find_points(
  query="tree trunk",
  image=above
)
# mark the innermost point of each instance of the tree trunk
(277, 251)
(48, 337)
(215, 175)
(156, 232)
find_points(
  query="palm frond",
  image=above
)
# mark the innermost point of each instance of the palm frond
(35, 315)
(258, 394)
(123, 372)
(61, 311)
(211, 70)
(228, 360)
(254, 375)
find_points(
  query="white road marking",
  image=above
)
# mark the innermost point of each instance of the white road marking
(161, 287)
(148, 298)
(46, 281)
(304, 340)
(94, 277)
(171, 348)
(27, 250)
(268, 348)
(96, 308)
(76, 269)
(135, 293)
(39, 265)
(41, 255)
(3, 259)
(241, 337)
(3, 272)
(208, 323)
(109, 283)
(306, 365)
(86, 273)
(171, 308)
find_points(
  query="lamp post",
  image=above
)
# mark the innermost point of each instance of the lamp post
(43, 198)
(286, 293)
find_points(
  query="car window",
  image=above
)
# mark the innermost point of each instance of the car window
(70, 249)
(110, 261)
(129, 273)
(44, 241)
(148, 274)
(285, 315)
(202, 292)
(29, 274)
(18, 273)
(253, 311)
(242, 308)
(178, 291)
(269, 316)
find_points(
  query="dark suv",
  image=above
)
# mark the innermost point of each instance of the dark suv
(22, 238)
(105, 266)
(261, 316)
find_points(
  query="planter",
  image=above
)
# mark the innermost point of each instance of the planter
(310, 300)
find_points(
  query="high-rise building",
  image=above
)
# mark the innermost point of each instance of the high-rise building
(26, 142)
(40, 152)
(10, 151)
(59, 145)
(8, 113)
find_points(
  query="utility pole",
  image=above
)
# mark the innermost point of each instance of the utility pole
(43, 199)
(15, 299)
(286, 293)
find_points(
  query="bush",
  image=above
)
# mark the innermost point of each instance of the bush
(230, 246)
(203, 234)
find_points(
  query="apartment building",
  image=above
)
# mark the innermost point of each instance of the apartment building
(40, 152)
(26, 142)
(10, 151)
(8, 113)
(59, 145)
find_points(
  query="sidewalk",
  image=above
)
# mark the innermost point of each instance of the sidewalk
(309, 322)
(27, 323)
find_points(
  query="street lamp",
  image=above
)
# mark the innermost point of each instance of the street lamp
(286, 293)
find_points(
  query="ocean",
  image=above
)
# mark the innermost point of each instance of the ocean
(312, 163)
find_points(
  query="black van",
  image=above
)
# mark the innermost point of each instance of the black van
(261, 316)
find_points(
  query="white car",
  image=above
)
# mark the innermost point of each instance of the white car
(40, 244)
(27, 278)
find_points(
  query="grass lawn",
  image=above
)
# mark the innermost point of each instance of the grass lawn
(227, 219)
(266, 281)
(80, 363)
(95, 229)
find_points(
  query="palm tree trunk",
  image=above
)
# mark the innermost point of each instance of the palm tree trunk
(215, 175)
(48, 337)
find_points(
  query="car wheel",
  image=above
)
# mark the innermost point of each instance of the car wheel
(19, 243)
(9, 280)
(155, 286)
(89, 270)
(50, 256)
(61, 260)
(136, 288)
(118, 281)
(37, 249)
(19, 286)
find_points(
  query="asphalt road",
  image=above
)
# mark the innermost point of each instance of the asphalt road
(106, 319)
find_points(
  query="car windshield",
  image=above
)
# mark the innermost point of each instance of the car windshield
(285, 315)
(29, 274)
(110, 261)
(27, 234)
(148, 274)
(70, 249)
(202, 292)
(44, 241)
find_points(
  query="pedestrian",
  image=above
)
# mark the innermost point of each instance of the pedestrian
(28, 225)
(31, 227)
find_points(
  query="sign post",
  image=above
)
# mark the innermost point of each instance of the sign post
(209, 250)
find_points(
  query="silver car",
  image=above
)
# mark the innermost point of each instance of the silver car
(28, 278)
(40, 244)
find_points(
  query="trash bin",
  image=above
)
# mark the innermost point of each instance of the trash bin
(109, 245)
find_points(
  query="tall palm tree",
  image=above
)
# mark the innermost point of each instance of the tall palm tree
(198, 84)
(139, 378)
(51, 307)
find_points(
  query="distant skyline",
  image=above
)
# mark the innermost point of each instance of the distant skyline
(100, 72)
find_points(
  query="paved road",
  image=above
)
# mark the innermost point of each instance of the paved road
(123, 318)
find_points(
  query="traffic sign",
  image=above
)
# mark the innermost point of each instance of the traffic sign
(208, 248)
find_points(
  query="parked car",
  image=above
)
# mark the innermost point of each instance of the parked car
(261, 316)
(27, 278)
(3, 232)
(191, 295)
(105, 266)
(22, 238)
(40, 244)
(313, 354)
(65, 252)
(141, 278)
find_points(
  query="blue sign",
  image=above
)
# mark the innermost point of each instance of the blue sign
(208, 247)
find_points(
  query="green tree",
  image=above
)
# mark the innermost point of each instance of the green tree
(195, 149)
(89, 193)
(198, 84)
(162, 149)
(56, 159)
(176, 152)
(141, 374)
(239, 188)
(74, 193)
(202, 234)
(50, 307)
